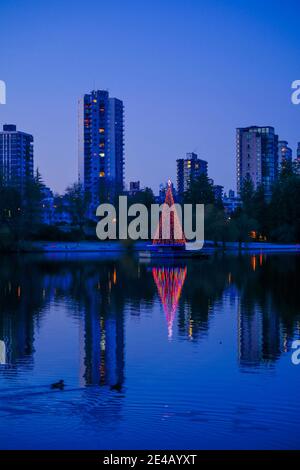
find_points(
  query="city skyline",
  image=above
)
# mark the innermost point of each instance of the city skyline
(282, 145)
(111, 156)
(198, 86)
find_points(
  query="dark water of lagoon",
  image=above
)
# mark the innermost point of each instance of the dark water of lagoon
(194, 355)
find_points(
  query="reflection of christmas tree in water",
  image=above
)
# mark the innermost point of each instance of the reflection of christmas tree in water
(169, 282)
(169, 224)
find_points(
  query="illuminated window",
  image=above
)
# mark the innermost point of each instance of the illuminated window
(95, 101)
(101, 174)
(102, 154)
(102, 144)
(102, 110)
(101, 130)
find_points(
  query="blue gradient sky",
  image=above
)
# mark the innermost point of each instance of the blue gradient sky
(189, 73)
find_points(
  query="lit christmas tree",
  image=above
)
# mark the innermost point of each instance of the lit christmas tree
(169, 223)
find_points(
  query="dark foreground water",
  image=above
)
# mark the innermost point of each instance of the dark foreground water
(195, 355)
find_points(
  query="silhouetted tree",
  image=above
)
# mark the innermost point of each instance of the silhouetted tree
(284, 210)
(32, 205)
(200, 191)
(77, 204)
(247, 194)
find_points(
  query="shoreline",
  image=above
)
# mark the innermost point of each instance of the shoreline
(118, 247)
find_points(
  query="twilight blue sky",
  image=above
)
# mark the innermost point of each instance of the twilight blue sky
(189, 72)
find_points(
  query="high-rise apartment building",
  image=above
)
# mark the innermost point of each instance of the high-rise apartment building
(218, 191)
(16, 157)
(285, 154)
(189, 168)
(231, 202)
(134, 188)
(257, 157)
(297, 160)
(101, 147)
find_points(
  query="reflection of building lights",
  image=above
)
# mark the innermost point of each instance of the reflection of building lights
(19, 291)
(2, 353)
(191, 329)
(102, 342)
(285, 343)
(115, 276)
(253, 262)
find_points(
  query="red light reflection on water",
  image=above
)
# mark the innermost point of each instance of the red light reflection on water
(169, 282)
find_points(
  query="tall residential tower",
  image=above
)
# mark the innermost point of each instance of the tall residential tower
(285, 154)
(257, 157)
(16, 157)
(189, 168)
(101, 147)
